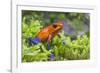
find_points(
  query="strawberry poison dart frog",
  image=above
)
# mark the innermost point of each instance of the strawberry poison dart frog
(47, 34)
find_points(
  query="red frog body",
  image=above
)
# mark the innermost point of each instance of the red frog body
(49, 32)
(46, 34)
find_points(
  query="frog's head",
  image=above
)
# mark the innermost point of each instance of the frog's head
(58, 26)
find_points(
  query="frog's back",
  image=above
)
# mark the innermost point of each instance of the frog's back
(44, 33)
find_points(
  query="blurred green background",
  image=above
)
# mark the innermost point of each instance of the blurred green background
(75, 33)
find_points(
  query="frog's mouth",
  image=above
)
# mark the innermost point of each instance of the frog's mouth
(59, 28)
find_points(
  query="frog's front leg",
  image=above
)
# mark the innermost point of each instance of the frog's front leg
(48, 42)
(52, 57)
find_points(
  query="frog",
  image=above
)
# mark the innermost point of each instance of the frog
(47, 34)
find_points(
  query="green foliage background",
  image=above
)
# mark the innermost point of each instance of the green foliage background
(77, 49)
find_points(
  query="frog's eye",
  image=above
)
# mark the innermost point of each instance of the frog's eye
(54, 25)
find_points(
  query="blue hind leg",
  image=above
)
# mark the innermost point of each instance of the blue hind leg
(32, 41)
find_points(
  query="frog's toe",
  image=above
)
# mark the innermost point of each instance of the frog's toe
(52, 57)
